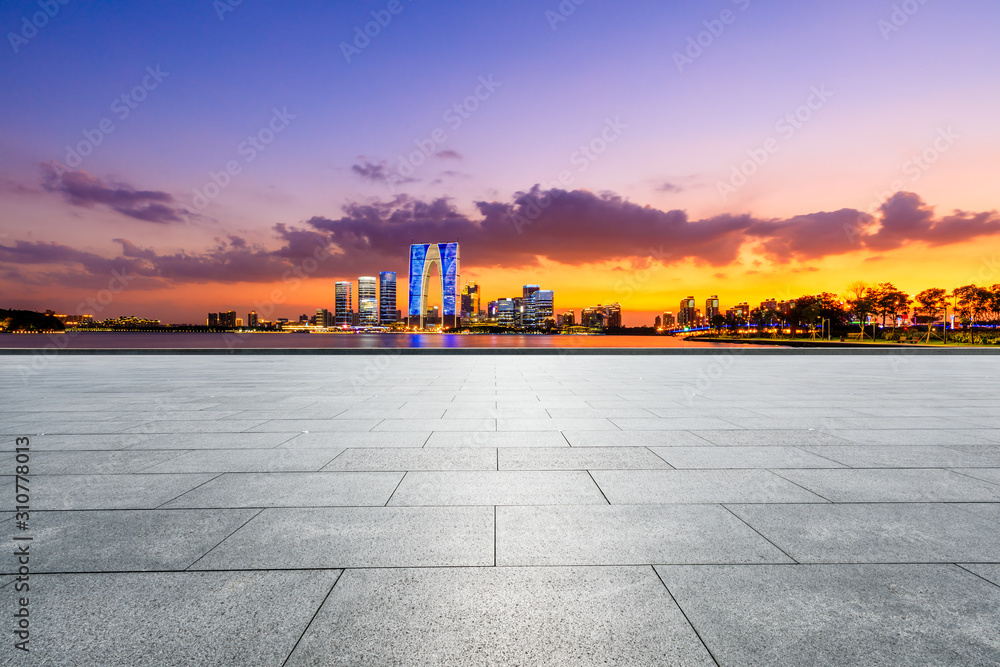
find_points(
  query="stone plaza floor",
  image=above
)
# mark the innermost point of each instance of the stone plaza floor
(388, 509)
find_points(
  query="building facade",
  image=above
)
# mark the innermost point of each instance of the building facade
(387, 313)
(423, 258)
(343, 309)
(687, 314)
(368, 306)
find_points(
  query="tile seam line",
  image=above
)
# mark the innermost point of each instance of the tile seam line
(762, 536)
(684, 614)
(219, 543)
(184, 493)
(312, 618)
(975, 574)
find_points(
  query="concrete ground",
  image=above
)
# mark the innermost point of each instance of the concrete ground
(484, 510)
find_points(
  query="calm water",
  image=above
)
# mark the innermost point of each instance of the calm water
(114, 340)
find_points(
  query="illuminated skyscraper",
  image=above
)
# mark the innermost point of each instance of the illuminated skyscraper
(423, 258)
(470, 300)
(343, 309)
(387, 297)
(368, 301)
(711, 308)
(688, 312)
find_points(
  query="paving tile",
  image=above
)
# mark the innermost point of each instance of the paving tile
(328, 440)
(579, 458)
(638, 487)
(550, 424)
(991, 475)
(359, 537)
(40, 426)
(98, 462)
(216, 426)
(497, 488)
(237, 618)
(451, 458)
(248, 460)
(213, 441)
(627, 535)
(293, 489)
(875, 533)
(84, 492)
(908, 437)
(477, 411)
(989, 572)
(119, 540)
(742, 457)
(895, 456)
(989, 511)
(498, 439)
(634, 439)
(769, 438)
(460, 425)
(673, 424)
(893, 485)
(314, 425)
(839, 614)
(488, 616)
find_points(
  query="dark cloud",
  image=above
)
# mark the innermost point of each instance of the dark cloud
(448, 155)
(567, 227)
(81, 189)
(378, 172)
(669, 187)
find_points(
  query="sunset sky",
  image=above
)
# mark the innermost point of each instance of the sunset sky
(601, 152)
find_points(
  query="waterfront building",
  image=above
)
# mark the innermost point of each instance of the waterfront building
(343, 309)
(388, 314)
(368, 307)
(423, 258)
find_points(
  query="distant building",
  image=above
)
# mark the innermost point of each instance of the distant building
(213, 320)
(740, 312)
(568, 319)
(668, 320)
(687, 314)
(387, 312)
(470, 300)
(343, 308)
(492, 310)
(711, 308)
(602, 316)
(368, 305)
(324, 318)
(508, 312)
(657, 323)
(227, 320)
(252, 319)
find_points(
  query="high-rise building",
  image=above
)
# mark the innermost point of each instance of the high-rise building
(528, 317)
(387, 313)
(668, 320)
(368, 301)
(424, 257)
(213, 320)
(227, 320)
(711, 308)
(568, 318)
(492, 309)
(252, 320)
(614, 315)
(687, 315)
(508, 312)
(544, 308)
(343, 308)
(324, 318)
(658, 322)
(470, 300)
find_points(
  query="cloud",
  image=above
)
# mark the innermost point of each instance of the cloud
(377, 172)
(567, 227)
(669, 187)
(81, 189)
(448, 155)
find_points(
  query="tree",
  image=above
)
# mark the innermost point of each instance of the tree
(718, 321)
(931, 301)
(971, 303)
(861, 301)
(891, 303)
(759, 318)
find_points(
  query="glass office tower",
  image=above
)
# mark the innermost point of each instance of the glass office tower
(343, 310)
(368, 301)
(387, 297)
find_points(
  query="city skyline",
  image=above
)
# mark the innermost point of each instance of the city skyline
(662, 151)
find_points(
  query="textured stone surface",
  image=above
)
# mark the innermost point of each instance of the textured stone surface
(802, 510)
